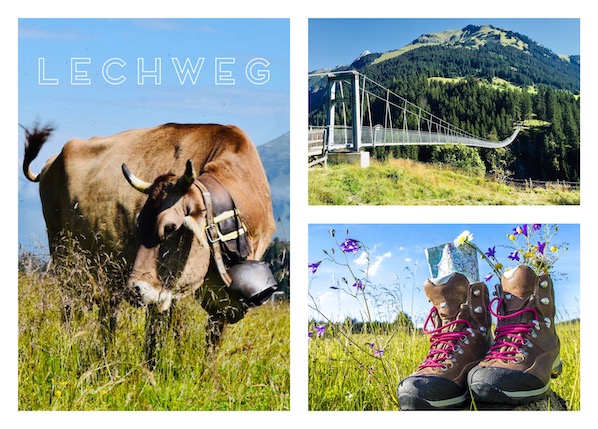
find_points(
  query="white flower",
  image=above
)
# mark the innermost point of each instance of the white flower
(464, 237)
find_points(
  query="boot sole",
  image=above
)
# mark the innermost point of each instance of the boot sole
(412, 403)
(490, 394)
(484, 392)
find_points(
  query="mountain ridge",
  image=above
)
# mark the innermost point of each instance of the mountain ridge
(480, 51)
(275, 157)
(514, 55)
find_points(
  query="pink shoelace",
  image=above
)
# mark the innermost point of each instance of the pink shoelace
(442, 342)
(508, 339)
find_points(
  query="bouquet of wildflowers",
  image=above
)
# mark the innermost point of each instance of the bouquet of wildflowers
(531, 245)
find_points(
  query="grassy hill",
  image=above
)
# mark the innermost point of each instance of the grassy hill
(405, 182)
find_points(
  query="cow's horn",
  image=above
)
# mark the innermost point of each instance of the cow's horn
(136, 182)
(189, 177)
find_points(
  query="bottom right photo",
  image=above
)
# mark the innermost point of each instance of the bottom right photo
(444, 316)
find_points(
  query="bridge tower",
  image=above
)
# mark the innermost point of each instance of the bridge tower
(352, 99)
(336, 97)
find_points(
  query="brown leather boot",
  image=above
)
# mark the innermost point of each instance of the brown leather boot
(525, 354)
(460, 339)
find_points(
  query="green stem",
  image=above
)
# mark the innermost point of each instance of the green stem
(485, 258)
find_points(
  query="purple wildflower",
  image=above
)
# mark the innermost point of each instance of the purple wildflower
(314, 266)
(320, 329)
(541, 247)
(536, 226)
(521, 230)
(488, 277)
(514, 256)
(378, 352)
(350, 246)
(310, 334)
(491, 252)
(370, 345)
(358, 284)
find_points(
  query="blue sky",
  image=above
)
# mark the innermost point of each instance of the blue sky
(83, 76)
(334, 42)
(398, 264)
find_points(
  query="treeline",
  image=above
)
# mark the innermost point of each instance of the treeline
(354, 326)
(278, 256)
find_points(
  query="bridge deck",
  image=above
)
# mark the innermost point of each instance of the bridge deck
(378, 136)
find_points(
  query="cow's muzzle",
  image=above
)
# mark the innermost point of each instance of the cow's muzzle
(141, 293)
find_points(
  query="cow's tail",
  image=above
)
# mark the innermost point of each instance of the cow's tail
(34, 140)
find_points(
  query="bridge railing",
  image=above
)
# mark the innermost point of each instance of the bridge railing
(343, 139)
(315, 141)
(380, 136)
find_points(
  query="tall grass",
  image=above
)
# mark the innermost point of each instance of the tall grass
(341, 377)
(64, 366)
(406, 182)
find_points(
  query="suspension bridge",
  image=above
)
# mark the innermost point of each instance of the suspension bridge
(361, 113)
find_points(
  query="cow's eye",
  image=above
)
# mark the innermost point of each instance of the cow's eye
(169, 229)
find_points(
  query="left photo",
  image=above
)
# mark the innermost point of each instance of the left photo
(154, 214)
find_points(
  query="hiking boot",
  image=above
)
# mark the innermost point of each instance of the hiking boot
(459, 340)
(525, 353)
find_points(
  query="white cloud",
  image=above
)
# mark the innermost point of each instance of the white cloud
(362, 259)
(336, 305)
(373, 270)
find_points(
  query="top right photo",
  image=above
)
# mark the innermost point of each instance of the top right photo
(444, 111)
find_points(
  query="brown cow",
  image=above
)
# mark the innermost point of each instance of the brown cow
(166, 238)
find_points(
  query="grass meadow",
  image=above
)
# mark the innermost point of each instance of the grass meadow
(405, 182)
(346, 374)
(64, 366)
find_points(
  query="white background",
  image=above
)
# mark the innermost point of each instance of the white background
(299, 12)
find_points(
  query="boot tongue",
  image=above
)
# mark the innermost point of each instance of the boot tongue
(517, 286)
(447, 294)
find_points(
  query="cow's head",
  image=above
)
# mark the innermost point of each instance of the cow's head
(173, 254)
